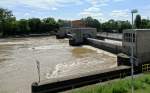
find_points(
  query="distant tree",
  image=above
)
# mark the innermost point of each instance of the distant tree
(90, 22)
(148, 25)
(23, 26)
(118, 26)
(49, 24)
(6, 21)
(145, 23)
(109, 26)
(64, 23)
(123, 25)
(34, 25)
(138, 21)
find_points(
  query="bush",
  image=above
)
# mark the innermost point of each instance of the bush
(121, 86)
(147, 80)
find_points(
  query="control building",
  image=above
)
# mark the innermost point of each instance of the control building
(141, 44)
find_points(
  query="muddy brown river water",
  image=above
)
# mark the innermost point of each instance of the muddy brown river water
(57, 59)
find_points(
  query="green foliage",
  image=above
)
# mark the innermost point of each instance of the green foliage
(22, 26)
(9, 25)
(145, 24)
(49, 24)
(138, 21)
(34, 25)
(64, 23)
(90, 22)
(119, 86)
(6, 21)
(118, 26)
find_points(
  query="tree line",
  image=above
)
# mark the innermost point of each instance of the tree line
(117, 25)
(10, 26)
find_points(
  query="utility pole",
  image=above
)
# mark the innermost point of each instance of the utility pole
(132, 53)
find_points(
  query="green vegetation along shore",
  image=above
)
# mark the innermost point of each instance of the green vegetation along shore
(141, 85)
(11, 26)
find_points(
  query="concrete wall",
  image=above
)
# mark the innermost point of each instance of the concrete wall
(126, 45)
(104, 45)
(80, 34)
(113, 36)
(63, 32)
(141, 45)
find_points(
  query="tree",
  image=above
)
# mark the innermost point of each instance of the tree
(145, 23)
(109, 26)
(123, 25)
(90, 22)
(6, 21)
(49, 24)
(35, 25)
(118, 26)
(22, 26)
(64, 23)
(138, 21)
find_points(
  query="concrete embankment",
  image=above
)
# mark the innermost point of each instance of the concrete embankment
(111, 46)
(79, 80)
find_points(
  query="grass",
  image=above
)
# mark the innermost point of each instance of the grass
(141, 85)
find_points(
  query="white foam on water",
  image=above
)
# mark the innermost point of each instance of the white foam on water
(113, 42)
(46, 47)
(64, 69)
(83, 64)
(11, 43)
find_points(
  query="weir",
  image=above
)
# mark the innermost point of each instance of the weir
(113, 48)
(79, 36)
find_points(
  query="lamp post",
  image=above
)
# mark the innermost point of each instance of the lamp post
(132, 53)
(133, 12)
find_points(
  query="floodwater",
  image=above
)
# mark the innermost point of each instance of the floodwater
(18, 56)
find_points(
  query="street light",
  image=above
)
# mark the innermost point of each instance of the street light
(133, 12)
(132, 52)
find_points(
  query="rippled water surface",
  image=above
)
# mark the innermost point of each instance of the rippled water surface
(57, 59)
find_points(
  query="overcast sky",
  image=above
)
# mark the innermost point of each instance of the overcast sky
(76, 9)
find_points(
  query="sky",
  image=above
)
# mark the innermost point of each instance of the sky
(102, 10)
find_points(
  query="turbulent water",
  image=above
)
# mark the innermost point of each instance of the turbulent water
(18, 58)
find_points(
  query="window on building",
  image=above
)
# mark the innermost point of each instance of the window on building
(128, 37)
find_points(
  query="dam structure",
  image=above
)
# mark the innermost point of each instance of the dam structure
(81, 36)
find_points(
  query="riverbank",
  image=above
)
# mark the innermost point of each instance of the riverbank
(141, 85)
(28, 35)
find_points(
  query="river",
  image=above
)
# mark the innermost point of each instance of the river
(18, 58)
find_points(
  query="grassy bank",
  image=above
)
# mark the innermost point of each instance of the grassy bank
(141, 85)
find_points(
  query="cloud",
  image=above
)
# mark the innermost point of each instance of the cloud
(54, 8)
(94, 9)
(41, 4)
(120, 14)
(91, 11)
(119, 0)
